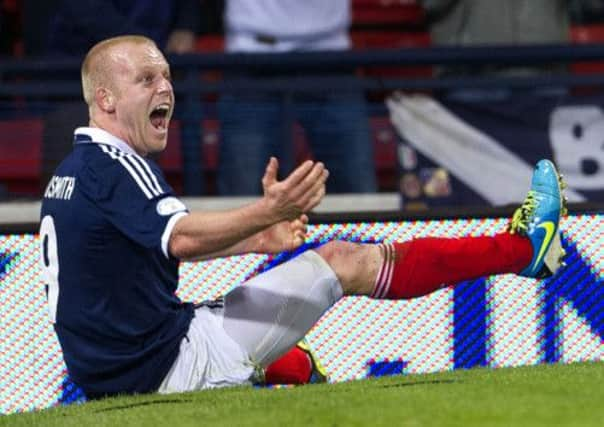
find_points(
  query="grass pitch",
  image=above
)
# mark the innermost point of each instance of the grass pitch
(545, 395)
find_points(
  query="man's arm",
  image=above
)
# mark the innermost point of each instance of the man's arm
(277, 221)
(283, 236)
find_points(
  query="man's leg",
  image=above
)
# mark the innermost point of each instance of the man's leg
(298, 366)
(421, 266)
(270, 314)
(392, 271)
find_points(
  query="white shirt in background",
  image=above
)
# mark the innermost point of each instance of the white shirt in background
(286, 25)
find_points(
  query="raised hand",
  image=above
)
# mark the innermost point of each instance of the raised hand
(297, 194)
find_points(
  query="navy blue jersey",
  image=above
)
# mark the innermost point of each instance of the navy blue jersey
(106, 218)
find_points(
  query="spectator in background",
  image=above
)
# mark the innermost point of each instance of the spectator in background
(256, 126)
(72, 27)
(510, 22)
(78, 24)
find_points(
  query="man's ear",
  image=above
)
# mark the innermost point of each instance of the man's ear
(105, 100)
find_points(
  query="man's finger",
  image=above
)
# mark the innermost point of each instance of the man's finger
(318, 187)
(297, 225)
(299, 239)
(316, 176)
(314, 199)
(270, 174)
(299, 173)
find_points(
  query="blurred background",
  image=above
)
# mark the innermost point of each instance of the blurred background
(436, 102)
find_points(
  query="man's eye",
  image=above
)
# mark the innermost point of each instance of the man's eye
(148, 79)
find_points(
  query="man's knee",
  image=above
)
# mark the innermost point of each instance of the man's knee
(353, 263)
(335, 252)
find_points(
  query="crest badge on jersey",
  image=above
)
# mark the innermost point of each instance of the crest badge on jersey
(169, 206)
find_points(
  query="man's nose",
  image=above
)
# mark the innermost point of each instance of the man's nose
(164, 86)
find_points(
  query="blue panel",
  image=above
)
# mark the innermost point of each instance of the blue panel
(470, 324)
(5, 260)
(577, 284)
(71, 393)
(385, 368)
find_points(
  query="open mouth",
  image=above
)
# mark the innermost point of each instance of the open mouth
(159, 117)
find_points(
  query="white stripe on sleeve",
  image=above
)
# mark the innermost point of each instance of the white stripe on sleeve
(142, 173)
(165, 237)
(138, 176)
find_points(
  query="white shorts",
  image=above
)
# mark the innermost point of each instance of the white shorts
(259, 322)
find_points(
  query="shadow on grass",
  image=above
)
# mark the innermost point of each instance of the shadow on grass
(407, 384)
(147, 403)
(181, 401)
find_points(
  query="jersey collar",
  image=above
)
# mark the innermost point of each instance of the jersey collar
(89, 135)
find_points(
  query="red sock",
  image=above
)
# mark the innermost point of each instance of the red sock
(421, 266)
(293, 367)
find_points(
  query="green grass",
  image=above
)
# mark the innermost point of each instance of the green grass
(546, 395)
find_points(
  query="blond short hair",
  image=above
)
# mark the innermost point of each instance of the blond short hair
(96, 68)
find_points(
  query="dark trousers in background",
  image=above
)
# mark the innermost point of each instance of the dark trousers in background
(256, 126)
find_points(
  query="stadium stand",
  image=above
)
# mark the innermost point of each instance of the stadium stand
(20, 155)
(389, 24)
(210, 43)
(170, 159)
(586, 34)
(377, 24)
(381, 13)
(383, 136)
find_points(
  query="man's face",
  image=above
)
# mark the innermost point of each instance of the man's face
(144, 98)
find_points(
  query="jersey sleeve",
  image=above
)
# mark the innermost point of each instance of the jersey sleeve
(133, 195)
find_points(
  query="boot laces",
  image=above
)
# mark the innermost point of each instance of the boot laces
(523, 215)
